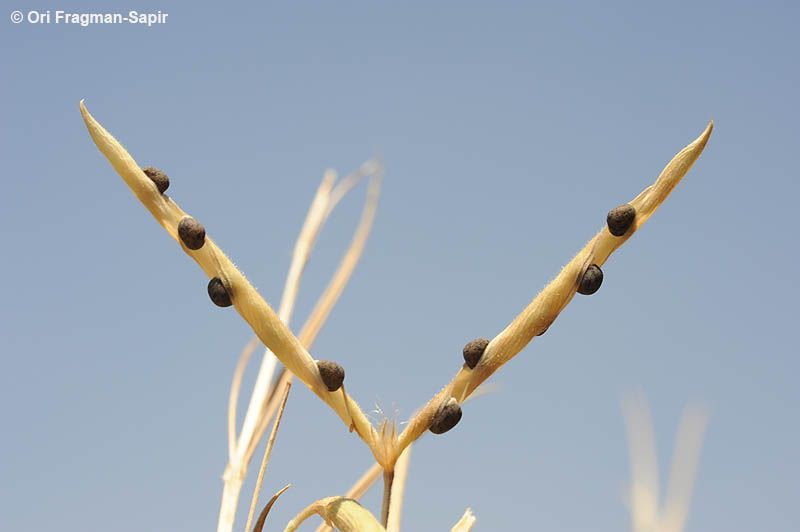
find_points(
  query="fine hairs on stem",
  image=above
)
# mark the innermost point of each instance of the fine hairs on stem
(228, 287)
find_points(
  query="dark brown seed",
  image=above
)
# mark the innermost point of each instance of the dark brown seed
(218, 293)
(192, 233)
(591, 280)
(332, 374)
(447, 417)
(473, 351)
(158, 177)
(620, 219)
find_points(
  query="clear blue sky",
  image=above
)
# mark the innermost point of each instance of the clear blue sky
(507, 132)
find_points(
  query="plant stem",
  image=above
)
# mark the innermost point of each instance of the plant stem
(388, 478)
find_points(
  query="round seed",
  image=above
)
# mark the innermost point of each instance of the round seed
(192, 233)
(218, 293)
(332, 374)
(620, 219)
(158, 177)
(591, 280)
(447, 417)
(473, 351)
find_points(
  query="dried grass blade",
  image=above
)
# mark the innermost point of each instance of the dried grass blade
(686, 455)
(398, 490)
(324, 202)
(644, 492)
(233, 398)
(329, 298)
(265, 460)
(466, 522)
(347, 265)
(263, 389)
(262, 517)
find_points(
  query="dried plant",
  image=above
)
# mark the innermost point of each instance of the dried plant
(643, 497)
(482, 357)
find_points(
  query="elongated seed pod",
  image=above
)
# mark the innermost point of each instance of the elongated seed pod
(258, 314)
(446, 417)
(332, 374)
(548, 304)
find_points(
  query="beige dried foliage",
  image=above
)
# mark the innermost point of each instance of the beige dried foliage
(358, 489)
(466, 522)
(263, 402)
(265, 460)
(391, 450)
(341, 513)
(233, 397)
(647, 514)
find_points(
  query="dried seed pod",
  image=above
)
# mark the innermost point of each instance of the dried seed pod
(158, 177)
(620, 219)
(473, 351)
(219, 293)
(192, 233)
(591, 280)
(447, 417)
(332, 374)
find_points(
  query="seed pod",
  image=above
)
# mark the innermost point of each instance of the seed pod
(447, 417)
(473, 351)
(332, 374)
(620, 219)
(192, 233)
(158, 177)
(591, 280)
(218, 293)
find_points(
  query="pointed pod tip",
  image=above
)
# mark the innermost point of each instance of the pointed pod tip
(88, 119)
(701, 141)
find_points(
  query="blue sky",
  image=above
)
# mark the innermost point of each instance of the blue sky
(507, 132)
